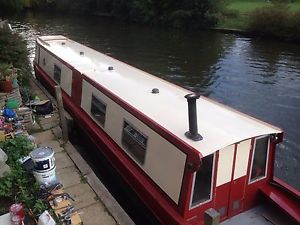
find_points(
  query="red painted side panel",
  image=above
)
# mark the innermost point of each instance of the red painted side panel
(222, 199)
(287, 187)
(230, 197)
(237, 196)
(252, 189)
(289, 204)
(76, 87)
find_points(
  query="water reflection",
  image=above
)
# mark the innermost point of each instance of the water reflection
(259, 77)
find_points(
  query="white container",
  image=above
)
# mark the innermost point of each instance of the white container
(43, 159)
(46, 219)
(45, 177)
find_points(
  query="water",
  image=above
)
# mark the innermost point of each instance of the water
(256, 76)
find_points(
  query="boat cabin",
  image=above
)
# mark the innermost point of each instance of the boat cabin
(181, 153)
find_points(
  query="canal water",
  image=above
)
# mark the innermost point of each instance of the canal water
(254, 75)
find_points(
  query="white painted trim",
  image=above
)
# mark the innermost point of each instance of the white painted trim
(211, 187)
(267, 160)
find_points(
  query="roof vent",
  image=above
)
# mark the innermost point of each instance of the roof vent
(110, 68)
(193, 127)
(81, 53)
(155, 91)
(63, 43)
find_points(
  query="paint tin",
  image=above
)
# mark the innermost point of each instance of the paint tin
(45, 177)
(44, 165)
(43, 159)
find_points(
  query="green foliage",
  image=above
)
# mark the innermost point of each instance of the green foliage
(179, 14)
(281, 1)
(19, 185)
(175, 13)
(275, 20)
(5, 70)
(16, 148)
(13, 51)
(11, 5)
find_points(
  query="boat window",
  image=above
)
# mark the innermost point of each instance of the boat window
(98, 110)
(259, 159)
(134, 142)
(57, 73)
(202, 186)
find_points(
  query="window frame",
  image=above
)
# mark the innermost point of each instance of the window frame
(93, 116)
(252, 160)
(127, 150)
(54, 67)
(191, 206)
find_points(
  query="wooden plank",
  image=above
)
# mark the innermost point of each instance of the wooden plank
(60, 106)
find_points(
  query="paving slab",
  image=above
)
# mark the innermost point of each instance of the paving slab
(48, 123)
(47, 126)
(43, 137)
(96, 215)
(83, 194)
(62, 160)
(33, 127)
(57, 132)
(68, 176)
(55, 145)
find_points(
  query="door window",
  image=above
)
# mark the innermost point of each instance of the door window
(202, 188)
(259, 159)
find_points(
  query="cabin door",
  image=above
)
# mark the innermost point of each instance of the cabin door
(232, 178)
(239, 177)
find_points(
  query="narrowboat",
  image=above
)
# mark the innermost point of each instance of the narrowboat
(182, 154)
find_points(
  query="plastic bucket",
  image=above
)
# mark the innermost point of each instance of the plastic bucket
(45, 177)
(43, 159)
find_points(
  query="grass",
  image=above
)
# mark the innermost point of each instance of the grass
(238, 12)
(244, 7)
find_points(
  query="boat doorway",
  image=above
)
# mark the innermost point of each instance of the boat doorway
(232, 179)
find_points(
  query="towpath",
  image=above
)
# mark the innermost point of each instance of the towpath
(92, 200)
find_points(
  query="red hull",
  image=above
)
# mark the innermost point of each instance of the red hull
(165, 210)
(147, 192)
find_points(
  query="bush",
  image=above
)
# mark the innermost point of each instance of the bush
(275, 20)
(19, 185)
(14, 51)
(11, 5)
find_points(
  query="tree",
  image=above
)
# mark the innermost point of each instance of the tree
(11, 5)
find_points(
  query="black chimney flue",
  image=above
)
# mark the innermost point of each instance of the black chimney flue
(193, 127)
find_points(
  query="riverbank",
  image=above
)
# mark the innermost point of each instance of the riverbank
(258, 18)
(262, 18)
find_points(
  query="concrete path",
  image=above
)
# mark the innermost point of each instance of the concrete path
(93, 201)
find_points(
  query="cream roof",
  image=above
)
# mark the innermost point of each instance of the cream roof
(219, 125)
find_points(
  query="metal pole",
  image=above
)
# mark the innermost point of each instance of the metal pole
(61, 111)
